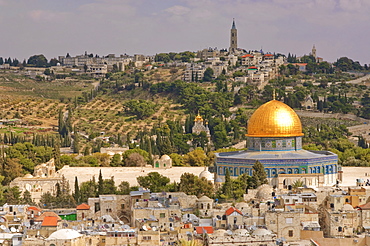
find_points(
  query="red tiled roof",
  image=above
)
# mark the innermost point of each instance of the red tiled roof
(247, 55)
(232, 210)
(299, 64)
(50, 221)
(83, 206)
(47, 214)
(33, 208)
(204, 229)
(364, 206)
(252, 67)
(268, 55)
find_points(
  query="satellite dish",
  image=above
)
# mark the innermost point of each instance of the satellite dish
(144, 228)
(154, 228)
(106, 226)
(2, 220)
(65, 225)
(12, 229)
(27, 224)
(17, 230)
(2, 227)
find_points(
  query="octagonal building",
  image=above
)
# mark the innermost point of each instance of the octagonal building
(274, 134)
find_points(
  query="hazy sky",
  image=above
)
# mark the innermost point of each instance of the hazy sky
(55, 27)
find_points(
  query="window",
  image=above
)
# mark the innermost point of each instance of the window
(336, 219)
(290, 233)
(147, 238)
(288, 220)
(122, 206)
(272, 221)
(162, 215)
(97, 207)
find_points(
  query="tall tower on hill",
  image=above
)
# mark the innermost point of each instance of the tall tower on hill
(233, 38)
(313, 53)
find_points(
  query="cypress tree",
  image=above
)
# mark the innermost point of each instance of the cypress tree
(77, 195)
(100, 183)
(259, 175)
(227, 187)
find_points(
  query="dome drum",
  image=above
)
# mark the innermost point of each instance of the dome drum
(274, 144)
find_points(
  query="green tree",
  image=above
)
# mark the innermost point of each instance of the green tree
(227, 185)
(38, 61)
(153, 181)
(12, 195)
(88, 189)
(76, 143)
(116, 160)
(196, 157)
(27, 199)
(100, 183)
(193, 185)
(135, 160)
(76, 193)
(259, 175)
(208, 75)
(124, 188)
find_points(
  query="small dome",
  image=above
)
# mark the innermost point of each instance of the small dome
(165, 157)
(206, 174)
(198, 118)
(347, 207)
(241, 205)
(28, 176)
(65, 234)
(218, 180)
(219, 232)
(261, 232)
(241, 232)
(274, 119)
(205, 199)
(264, 192)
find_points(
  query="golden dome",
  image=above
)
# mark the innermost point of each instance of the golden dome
(198, 118)
(274, 119)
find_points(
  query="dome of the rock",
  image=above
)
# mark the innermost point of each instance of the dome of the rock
(274, 119)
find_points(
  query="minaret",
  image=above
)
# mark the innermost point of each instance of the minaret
(233, 38)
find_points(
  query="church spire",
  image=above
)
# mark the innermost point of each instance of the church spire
(233, 39)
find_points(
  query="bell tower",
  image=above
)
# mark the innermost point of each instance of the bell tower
(313, 52)
(233, 38)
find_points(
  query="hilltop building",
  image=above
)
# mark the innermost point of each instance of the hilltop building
(275, 140)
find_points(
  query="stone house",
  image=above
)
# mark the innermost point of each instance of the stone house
(365, 216)
(284, 224)
(12, 217)
(83, 211)
(205, 206)
(115, 206)
(164, 162)
(344, 222)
